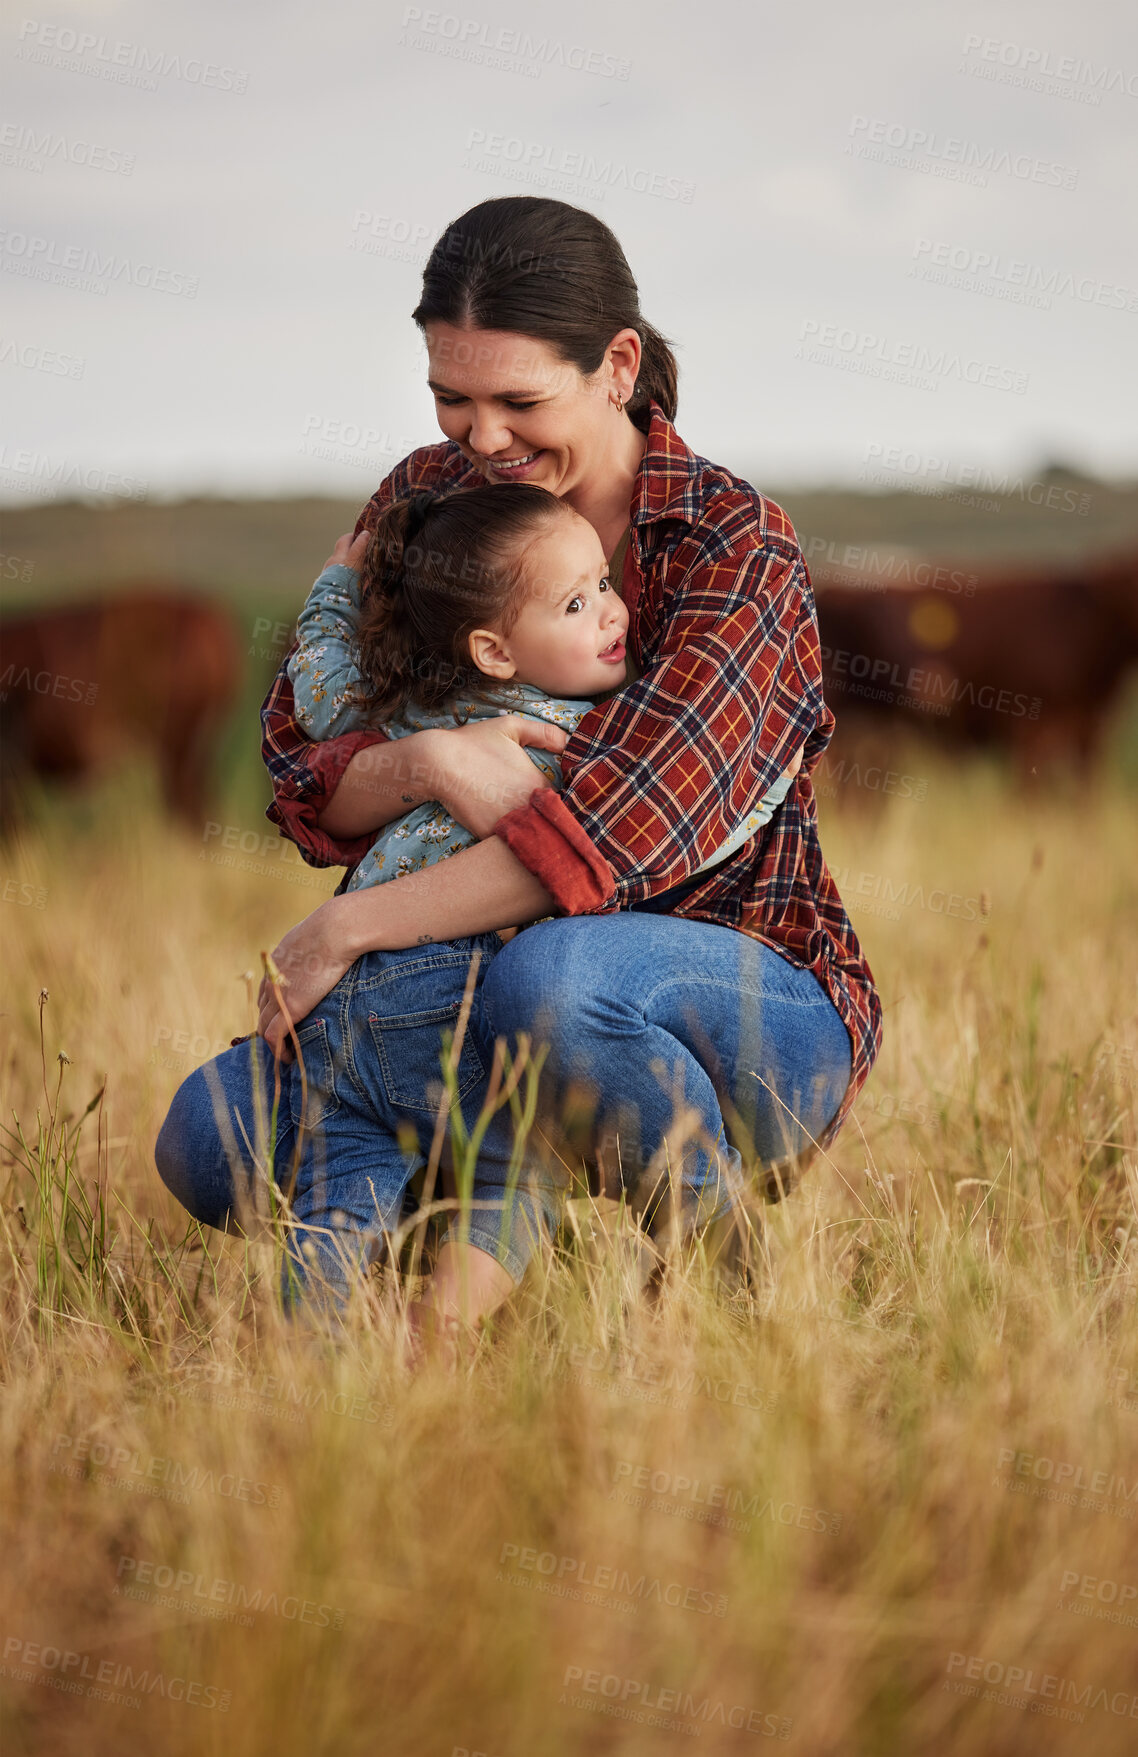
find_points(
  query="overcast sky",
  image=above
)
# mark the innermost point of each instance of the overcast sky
(878, 244)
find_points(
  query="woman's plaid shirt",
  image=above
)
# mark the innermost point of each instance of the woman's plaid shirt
(723, 629)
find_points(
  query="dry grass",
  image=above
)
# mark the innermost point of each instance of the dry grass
(825, 1541)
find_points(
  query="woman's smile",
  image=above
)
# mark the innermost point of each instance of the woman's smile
(522, 413)
(514, 469)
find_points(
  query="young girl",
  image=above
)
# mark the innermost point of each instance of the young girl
(402, 648)
(483, 601)
(469, 605)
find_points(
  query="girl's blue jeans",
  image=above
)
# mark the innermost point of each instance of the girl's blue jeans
(372, 1056)
(657, 1025)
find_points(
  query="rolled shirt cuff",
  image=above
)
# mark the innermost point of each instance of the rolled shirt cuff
(296, 815)
(547, 839)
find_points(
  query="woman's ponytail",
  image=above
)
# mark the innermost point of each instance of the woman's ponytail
(659, 375)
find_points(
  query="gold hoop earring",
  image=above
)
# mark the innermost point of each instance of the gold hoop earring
(619, 403)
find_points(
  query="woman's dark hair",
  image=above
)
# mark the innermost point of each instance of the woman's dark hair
(544, 269)
(439, 566)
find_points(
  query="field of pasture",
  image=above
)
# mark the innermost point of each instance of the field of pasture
(880, 1496)
(876, 1495)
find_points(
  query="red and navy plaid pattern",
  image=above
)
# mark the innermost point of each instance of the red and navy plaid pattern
(722, 626)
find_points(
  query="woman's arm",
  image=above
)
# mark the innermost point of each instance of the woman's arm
(382, 780)
(477, 771)
(481, 888)
(658, 778)
(663, 771)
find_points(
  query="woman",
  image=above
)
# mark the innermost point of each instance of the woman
(743, 988)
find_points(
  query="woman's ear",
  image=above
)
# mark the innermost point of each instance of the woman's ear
(625, 352)
(490, 654)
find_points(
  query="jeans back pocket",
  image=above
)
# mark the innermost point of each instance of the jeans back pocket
(407, 1025)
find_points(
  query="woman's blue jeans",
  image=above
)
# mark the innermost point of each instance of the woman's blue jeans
(652, 1019)
(657, 1027)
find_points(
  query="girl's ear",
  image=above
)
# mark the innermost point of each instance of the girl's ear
(490, 654)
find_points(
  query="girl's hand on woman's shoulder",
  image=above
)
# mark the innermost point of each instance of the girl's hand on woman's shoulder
(349, 551)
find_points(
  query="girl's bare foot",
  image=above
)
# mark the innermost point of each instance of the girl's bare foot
(467, 1286)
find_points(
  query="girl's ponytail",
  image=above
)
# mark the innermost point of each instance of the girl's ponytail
(439, 566)
(394, 534)
(390, 656)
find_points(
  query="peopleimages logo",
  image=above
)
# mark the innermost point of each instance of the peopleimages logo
(831, 774)
(827, 558)
(1010, 278)
(122, 63)
(926, 474)
(28, 149)
(38, 359)
(1043, 1693)
(16, 567)
(637, 1699)
(34, 473)
(535, 161)
(606, 1584)
(498, 46)
(906, 362)
(106, 1680)
(84, 1457)
(711, 1503)
(53, 683)
(390, 235)
(1065, 76)
(140, 1577)
(1067, 1482)
(877, 893)
(949, 156)
(1090, 1586)
(84, 268)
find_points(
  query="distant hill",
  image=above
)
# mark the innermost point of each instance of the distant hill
(1050, 516)
(262, 554)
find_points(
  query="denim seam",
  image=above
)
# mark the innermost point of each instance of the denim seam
(348, 1042)
(318, 1033)
(366, 984)
(759, 994)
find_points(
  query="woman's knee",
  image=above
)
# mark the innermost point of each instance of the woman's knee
(803, 1095)
(547, 976)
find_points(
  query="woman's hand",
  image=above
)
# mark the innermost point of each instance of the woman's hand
(349, 551)
(483, 771)
(312, 957)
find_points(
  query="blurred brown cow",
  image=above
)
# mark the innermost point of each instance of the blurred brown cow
(1032, 661)
(82, 684)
